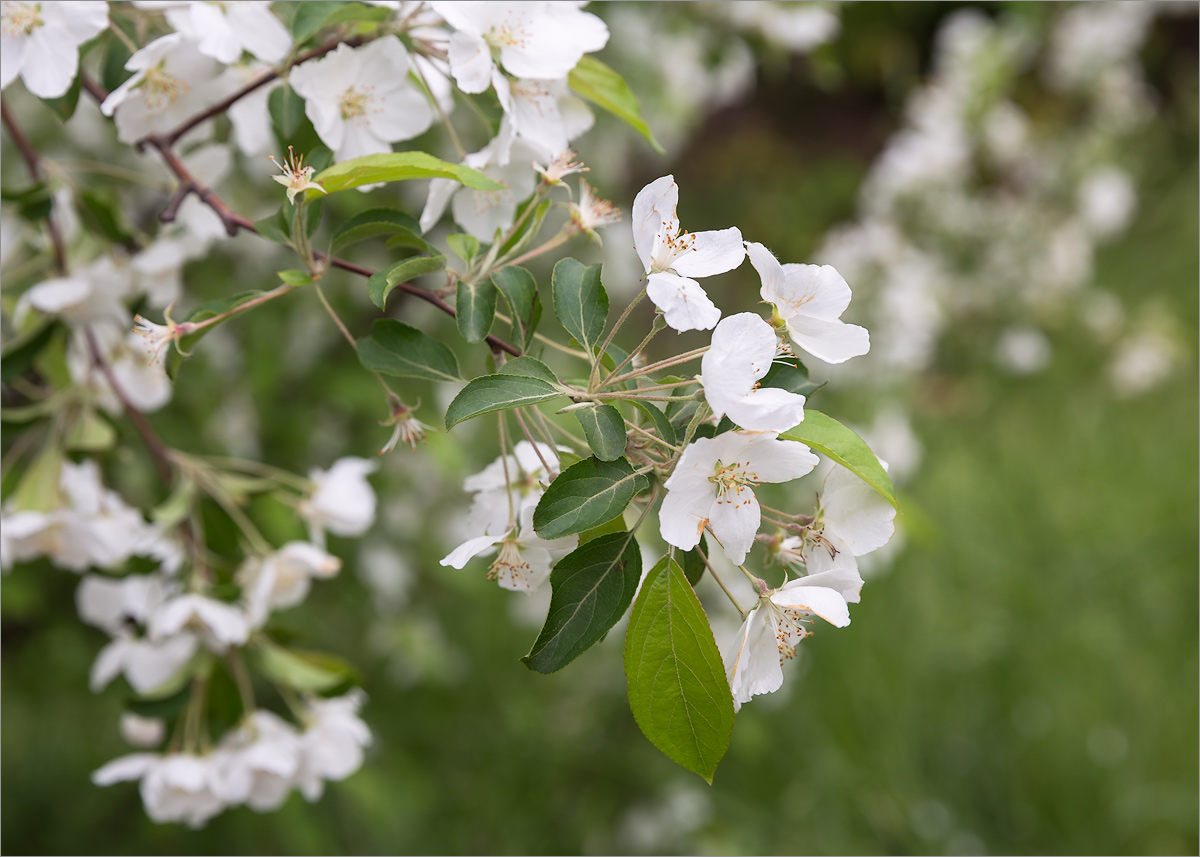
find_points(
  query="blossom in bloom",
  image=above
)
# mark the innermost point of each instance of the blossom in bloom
(171, 81)
(811, 300)
(542, 113)
(406, 427)
(713, 486)
(524, 560)
(332, 744)
(147, 664)
(297, 177)
(258, 762)
(250, 115)
(360, 100)
(40, 42)
(768, 637)
(224, 30)
(852, 519)
(220, 624)
(157, 338)
(515, 482)
(342, 501)
(142, 380)
(179, 787)
(743, 348)
(672, 257)
(539, 40)
(110, 604)
(283, 578)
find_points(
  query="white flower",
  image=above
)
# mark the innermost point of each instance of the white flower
(141, 731)
(743, 348)
(713, 486)
(332, 745)
(157, 338)
(143, 380)
(220, 624)
(259, 762)
(251, 114)
(171, 81)
(672, 257)
(360, 100)
(811, 299)
(852, 519)
(109, 604)
(538, 40)
(543, 113)
(282, 579)
(223, 30)
(178, 787)
(342, 501)
(482, 212)
(770, 634)
(40, 42)
(524, 560)
(297, 177)
(146, 664)
(527, 479)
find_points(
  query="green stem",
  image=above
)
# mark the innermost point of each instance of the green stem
(661, 364)
(712, 571)
(278, 291)
(592, 378)
(241, 676)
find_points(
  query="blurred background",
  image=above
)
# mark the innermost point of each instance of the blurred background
(1011, 192)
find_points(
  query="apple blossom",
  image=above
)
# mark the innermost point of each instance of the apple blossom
(743, 348)
(341, 500)
(672, 257)
(258, 762)
(524, 559)
(713, 486)
(147, 664)
(220, 624)
(40, 42)
(360, 100)
(332, 744)
(810, 299)
(297, 177)
(510, 485)
(175, 787)
(852, 519)
(282, 579)
(224, 30)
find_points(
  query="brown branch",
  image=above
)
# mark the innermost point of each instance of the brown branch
(30, 156)
(234, 222)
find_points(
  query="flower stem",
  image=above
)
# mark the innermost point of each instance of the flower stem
(712, 571)
(592, 385)
(655, 367)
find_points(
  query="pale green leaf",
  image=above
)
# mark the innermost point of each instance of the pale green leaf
(827, 436)
(395, 167)
(599, 84)
(580, 301)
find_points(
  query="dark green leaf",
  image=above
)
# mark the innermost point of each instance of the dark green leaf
(466, 247)
(662, 425)
(103, 215)
(381, 283)
(591, 588)
(529, 228)
(20, 352)
(520, 291)
(395, 167)
(112, 66)
(677, 688)
(530, 367)
(491, 393)
(604, 428)
(585, 495)
(599, 84)
(310, 17)
(375, 221)
(395, 348)
(287, 112)
(580, 301)
(832, 439)
(475, 309)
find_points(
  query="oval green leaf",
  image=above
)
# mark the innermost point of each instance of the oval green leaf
(373, 222)
(475, 309)
(520, 291)
(586, 495)
(530, 367)
(604, 428)
(395, 167)
(395, 348)
(599, 84)
(490, 393)
(580, 301)
(592, 587)
(677, 688)
(381, 283)
(827, 436)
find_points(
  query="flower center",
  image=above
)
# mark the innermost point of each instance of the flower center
(504, 36)
(671, 244)
(732, 477)
(21, 18)
(791, 628)
(355, 101)
(509, 566)
(160, 89)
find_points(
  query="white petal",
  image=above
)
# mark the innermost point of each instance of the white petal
(684, 303)
(842, 578)
(826, 603)
(712, 253)
(261, 32)
(685, 510)
(771, 460)
(817, 291)
(833, 341)
(470, 62)
(653, 211)
(769, 270)
(735, 520)
(753, 663)
(768, 409)
(50, 65)
(131, 767)
(12, 56)
(856, 512)
(459, 557)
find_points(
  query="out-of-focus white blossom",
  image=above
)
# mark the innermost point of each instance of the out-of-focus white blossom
(342, 502)
(332, 743)
(224, 30)
(40, 42)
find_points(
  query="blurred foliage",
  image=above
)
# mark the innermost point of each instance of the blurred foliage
(1023, 679)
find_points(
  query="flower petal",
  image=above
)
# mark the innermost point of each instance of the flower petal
(469, 549)
(826, 603)
(753, 664)
(685, 305)
(735, 521)
(833, 341)
(654, 210)
(713, 252)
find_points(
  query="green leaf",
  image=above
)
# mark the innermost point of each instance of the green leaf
(395, 348)
(529, 228)
(38, 489)
(90, 433)
(794, 379)
(287, 112)
(373, 222)
(202, 313)
(616, 525)
(395, 167)
(381, 283)
(677, 688)
(580, 301)
(112, 67)
(529, 367)
(591, 588)
(490, 393)
(294, 277)
(466, 247)
(585, 495)
(313, 672)
(827, 436)
(20, 352)
(599, 84)
(475, 309)
(520, 291)
(310, 17)
(604, 428)
(276, 227)
(102, 214)
(356, 12)
(662, 425)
